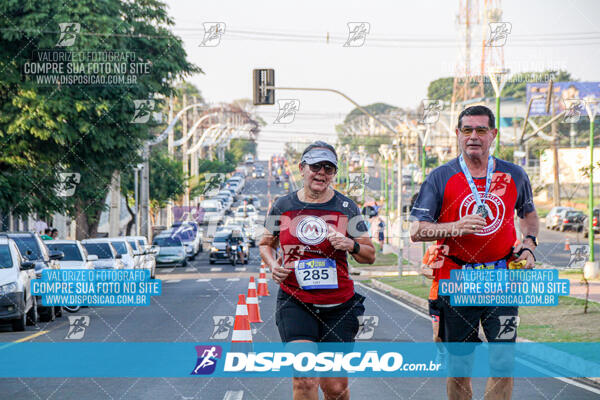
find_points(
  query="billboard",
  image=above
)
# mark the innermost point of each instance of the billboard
(562, 91)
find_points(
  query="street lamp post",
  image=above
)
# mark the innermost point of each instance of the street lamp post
(384, 151)
(346, 164)
(136, 207)
(381, 179)
(498, 85)
(362, 154)
(392, 155)
(399, 207)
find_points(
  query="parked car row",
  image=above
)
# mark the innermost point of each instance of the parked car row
(24, 255)
(567, 218)
(179, 244)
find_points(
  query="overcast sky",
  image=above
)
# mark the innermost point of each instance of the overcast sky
(412, 43)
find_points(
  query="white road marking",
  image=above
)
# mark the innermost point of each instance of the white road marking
(234, 395)
(240, 269)
(216, 269)
(232, 279)
(173, 281)
(191, 269)
(203, 280)
(167, 270)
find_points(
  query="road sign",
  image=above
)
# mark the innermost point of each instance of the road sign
(261, 79)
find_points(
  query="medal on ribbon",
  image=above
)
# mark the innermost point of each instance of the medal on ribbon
(480, 202)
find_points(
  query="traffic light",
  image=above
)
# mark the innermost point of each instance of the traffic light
(261, 79)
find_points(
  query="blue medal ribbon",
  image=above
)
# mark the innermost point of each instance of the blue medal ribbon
(481, 210)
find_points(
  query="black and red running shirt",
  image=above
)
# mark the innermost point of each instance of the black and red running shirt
(303, 228)
(445, 196)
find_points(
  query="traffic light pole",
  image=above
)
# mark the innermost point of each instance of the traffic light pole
(362, 109)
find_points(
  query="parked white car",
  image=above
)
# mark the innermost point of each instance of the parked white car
(213, 211)
(128, 256)
(108, 258)
(75, 255)
(16, 302)
(146, 255)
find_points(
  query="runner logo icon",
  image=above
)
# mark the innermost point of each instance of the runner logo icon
(508, 327)
(223, 324)
(311, 230)
(207, 359)
(77, 327)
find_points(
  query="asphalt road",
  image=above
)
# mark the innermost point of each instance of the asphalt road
(193, 299)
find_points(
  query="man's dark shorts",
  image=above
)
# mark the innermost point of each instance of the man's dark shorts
(301, 321)
(461, 324)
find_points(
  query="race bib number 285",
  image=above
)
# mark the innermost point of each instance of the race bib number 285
(316, 273)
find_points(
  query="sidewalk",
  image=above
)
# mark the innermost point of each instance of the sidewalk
(578, 290)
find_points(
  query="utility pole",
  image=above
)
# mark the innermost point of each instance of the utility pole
(184, 155)
(145, 194)
(555, 143)
(171, 150)
(136, 206)
(115, 202)
(401, 245)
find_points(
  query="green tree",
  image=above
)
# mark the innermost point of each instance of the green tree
(238, 148)
(291, 154)
(83, 129)
(375, 108)
(167, 183)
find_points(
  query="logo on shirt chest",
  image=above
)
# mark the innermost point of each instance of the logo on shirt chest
(495, 211)
(311, 230)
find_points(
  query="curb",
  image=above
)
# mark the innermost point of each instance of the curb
(423, 306)
(419, 303)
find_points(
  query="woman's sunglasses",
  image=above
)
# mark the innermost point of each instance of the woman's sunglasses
(329, 168)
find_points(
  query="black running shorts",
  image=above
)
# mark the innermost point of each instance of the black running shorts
(302, 321)
(461, 324)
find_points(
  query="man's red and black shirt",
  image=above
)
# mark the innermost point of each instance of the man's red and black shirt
(445, 196)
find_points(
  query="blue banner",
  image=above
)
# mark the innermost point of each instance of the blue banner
(504, 287)
(365, 359)
(127, 287)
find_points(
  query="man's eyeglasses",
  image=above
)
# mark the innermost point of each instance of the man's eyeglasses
(479, 130)
(329, 168)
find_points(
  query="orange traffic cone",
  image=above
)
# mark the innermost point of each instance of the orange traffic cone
(567, 245)
(241, 325)
(263, 289)
(263, 270)
(253, 310)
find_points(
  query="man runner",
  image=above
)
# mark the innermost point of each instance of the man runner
(467, 205)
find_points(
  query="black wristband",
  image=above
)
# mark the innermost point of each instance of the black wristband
(356, 248)
(529, 250)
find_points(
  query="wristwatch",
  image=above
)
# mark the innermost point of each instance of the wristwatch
(356, 248)
(533, 239)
